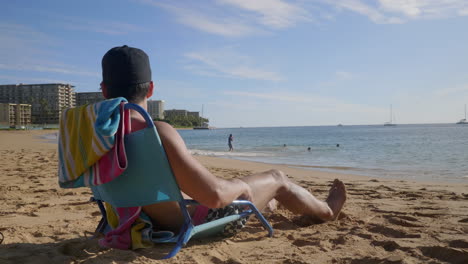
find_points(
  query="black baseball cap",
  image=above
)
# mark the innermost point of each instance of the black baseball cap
(124, 66)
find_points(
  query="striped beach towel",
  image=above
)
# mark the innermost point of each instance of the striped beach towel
(91, 147)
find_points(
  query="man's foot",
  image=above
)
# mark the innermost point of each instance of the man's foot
(336, 197)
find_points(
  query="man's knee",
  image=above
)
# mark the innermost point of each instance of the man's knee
(279, 176)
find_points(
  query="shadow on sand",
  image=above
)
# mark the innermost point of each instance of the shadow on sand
(83, 250)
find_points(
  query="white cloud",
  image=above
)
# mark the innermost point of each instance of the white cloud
(48, 68)
(451, 91)
(219, 26)
(408, 8)
(25, 49)
(463, 12)
(424, 8)
(226, 63)
(344, 75)
(400, 11)
(218, 22)
(286, 108)
(20, 42)
(246, 18)
(361, 8)
(320, 103)
(17, 79)
(272, 13)
(104, 27)
(87, 24)
(18, 31)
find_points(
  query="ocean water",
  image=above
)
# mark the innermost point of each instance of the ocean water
(433, 152)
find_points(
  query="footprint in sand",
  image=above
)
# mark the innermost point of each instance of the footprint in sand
(37, 234)
(396, 259)
(397, 220)
(450, 255)
(43, 160)
(458, 243)
(390, 232)
(217, 260)
(13, 188)
(430, 215)
(383, 187)
(389, 246)
(306, 242)
(365, 236)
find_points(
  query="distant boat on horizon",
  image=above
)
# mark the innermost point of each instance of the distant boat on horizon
(390, 123)
(463, 121)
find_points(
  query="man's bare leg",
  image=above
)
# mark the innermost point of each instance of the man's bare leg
(274, 184)
(266, 187)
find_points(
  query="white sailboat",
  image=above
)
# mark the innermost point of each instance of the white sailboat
(390, 123)
(463, 121)
(202, 124)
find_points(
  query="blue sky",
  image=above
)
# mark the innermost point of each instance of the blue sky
(257, 63)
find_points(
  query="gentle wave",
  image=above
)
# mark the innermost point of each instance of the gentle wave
(52, 136)
(228, 154)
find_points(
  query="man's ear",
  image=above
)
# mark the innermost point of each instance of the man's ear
(150, 90)
(104, 90)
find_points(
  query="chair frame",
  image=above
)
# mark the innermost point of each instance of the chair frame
(188, 229)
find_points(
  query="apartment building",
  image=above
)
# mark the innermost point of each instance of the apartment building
(180, 112)
(175, 112)
(15, 115)
(156, 109)
(194, 114)
(88, 98)
(47, 100)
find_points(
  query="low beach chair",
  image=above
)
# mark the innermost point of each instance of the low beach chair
(148, 179)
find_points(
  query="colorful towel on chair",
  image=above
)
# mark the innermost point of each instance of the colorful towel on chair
(91, 145)
(127, 225)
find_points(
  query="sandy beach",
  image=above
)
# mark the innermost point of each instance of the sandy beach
(383, 221)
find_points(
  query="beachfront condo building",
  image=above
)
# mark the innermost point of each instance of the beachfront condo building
(15, 115)
(179, 112)
(175, 112)
(47, 100)
(194, 114)
(88, 98)
(156, 109)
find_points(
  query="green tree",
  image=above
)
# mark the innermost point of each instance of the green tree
(184, 121)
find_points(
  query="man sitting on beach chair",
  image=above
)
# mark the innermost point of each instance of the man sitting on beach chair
(126, 73)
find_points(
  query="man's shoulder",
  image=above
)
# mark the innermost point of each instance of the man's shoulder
(164, 127)
(162, 124)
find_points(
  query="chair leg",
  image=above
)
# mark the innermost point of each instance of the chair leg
(101, 227)
(184, 236)
(263, 220)
(258, 214)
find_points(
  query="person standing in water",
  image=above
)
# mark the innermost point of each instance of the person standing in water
(230, 139)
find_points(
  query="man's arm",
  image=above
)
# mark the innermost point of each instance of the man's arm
(194, 179)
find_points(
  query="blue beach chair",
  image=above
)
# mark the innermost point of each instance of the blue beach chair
(149, 180)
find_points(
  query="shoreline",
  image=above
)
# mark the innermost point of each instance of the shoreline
(345, 171)
(383, 220)
(304, 174)
(332, 170)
